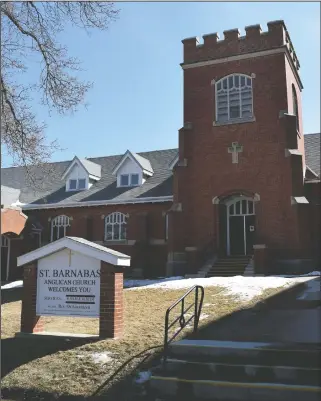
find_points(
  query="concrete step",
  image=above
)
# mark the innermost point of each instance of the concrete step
(231, 263)
(222, 370)
(258, 353)
(227, 268)
(175, 388)
(226, 273)
(250, 373)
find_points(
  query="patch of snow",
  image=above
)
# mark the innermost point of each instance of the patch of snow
(101, 357)
(143, 377)
(98, 357)
(245, 288)
(314, 273)
(144, 283)
(14, 284)
(204, 316)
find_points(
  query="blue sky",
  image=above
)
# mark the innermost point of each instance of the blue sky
(136, 102)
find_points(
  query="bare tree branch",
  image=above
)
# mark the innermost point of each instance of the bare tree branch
(29, 29)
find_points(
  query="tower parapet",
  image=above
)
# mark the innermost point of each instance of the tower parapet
(233, 44)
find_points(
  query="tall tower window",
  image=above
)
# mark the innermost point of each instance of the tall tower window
(234, 98)
(295, 106)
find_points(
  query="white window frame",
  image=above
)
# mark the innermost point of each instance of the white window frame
(58, 222)
(131, 180)
(113, 219)
(120, 183)
(235, 119)
(130, 176)
(77, 184)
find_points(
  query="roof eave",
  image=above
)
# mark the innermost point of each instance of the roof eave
(158, 199)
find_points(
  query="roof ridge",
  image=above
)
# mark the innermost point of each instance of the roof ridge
(95, 157)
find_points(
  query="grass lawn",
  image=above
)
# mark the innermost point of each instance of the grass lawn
(79, 367)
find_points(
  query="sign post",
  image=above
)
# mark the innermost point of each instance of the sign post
(77, 278)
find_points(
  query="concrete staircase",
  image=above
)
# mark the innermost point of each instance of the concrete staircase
(221, 370)
(229, 266)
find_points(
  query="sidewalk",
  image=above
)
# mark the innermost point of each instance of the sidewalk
(293, 317)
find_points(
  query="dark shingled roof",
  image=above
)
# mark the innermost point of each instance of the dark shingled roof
(52, 189)
(312, 151)
(160, 184)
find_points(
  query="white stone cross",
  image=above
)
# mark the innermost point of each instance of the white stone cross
(235, 149)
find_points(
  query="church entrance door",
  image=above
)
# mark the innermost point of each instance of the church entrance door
(240, 226)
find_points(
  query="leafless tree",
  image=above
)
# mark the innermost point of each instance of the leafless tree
(29, 30)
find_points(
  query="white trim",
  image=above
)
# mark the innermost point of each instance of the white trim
(230, 202)
(31, 206)
(129, 155)
(59, 221)
(262, 53)
(71, 165)
(312, 171)
(173, 162)
(115, 219)
(227, 92)
(93, 177)
(130, 176)
(259, 246)
(77, 185)
(234, 58)
(301, 200)
(77, 245)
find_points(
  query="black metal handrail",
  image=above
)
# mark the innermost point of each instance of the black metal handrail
(197, 304)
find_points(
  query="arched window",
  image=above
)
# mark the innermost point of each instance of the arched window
(59, 227)
(295, 106)
(115, 227)
(233, 98)
(242, 207)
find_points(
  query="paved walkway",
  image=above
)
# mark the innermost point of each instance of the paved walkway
(293, 317)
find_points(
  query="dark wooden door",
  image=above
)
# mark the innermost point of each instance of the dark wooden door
(250, 233)
(237, 235)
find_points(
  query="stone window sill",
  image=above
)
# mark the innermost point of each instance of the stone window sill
(121, 242)
(236, 121)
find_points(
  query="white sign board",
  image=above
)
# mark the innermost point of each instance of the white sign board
(68, 284)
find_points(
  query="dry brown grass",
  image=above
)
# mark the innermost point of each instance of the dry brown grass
(73, 370)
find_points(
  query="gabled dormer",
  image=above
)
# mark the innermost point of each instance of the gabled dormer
(81, 174)
(132, 170)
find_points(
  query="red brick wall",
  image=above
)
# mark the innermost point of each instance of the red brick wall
(263, 167)
(151, 258)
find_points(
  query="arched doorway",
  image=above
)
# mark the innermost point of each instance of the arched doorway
(240, 225)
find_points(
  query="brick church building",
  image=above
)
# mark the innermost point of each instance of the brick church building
(244, 181)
